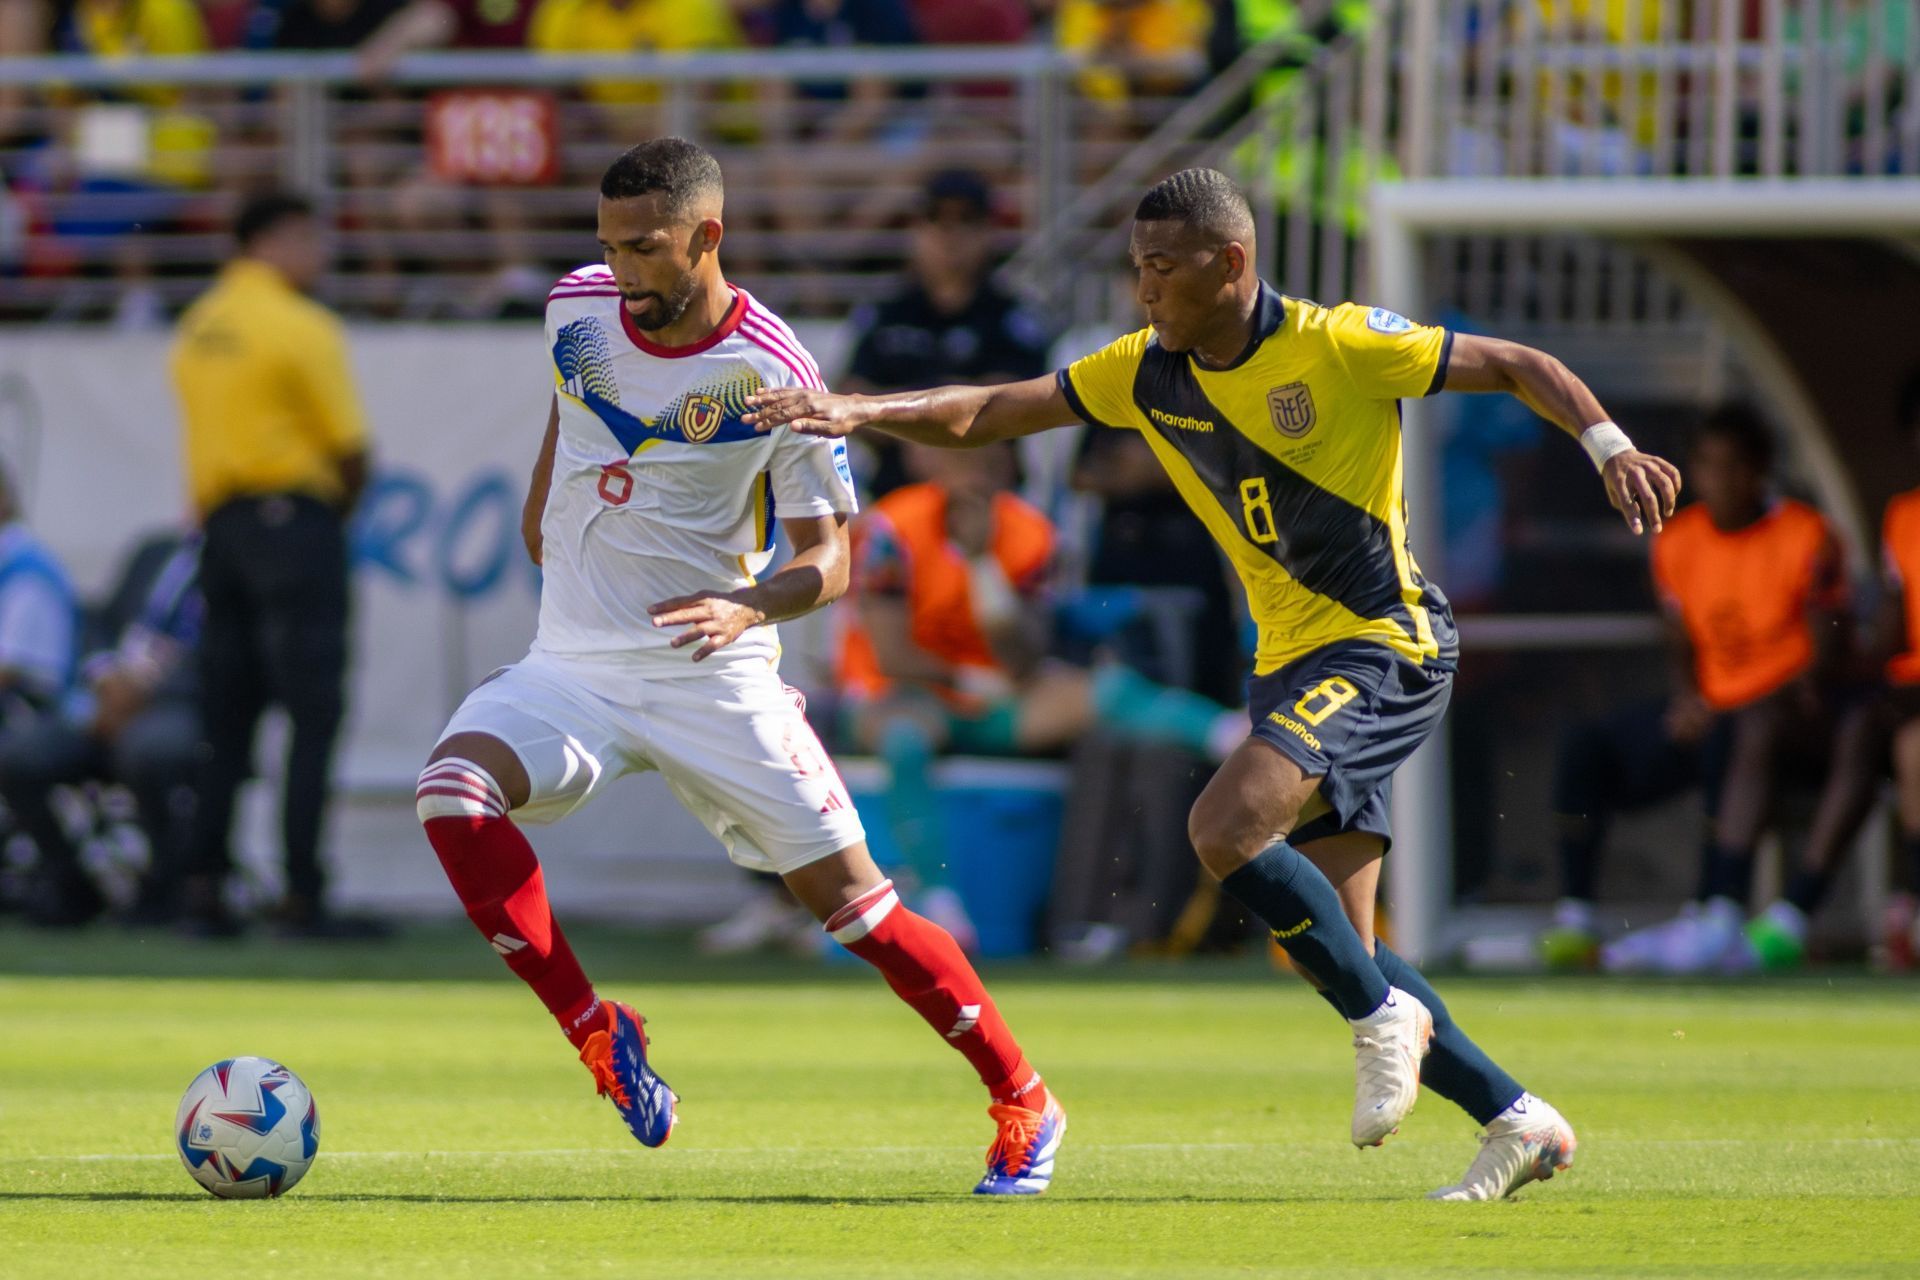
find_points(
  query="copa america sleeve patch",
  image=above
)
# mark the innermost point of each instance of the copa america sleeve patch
(1381, 320)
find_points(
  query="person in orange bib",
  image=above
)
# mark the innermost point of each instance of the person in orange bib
(1754, 593)
(1879, 735)
(949, 651)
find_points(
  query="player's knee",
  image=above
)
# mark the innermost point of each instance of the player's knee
(453, 787)
(1222, 841)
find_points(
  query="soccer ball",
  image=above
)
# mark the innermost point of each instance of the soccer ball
(247, 1128)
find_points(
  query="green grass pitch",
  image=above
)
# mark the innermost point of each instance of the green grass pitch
(1739, 1131)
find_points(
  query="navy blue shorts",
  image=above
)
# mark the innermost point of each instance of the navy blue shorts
(1349, 714)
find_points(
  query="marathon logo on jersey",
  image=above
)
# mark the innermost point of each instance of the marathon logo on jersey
(1381, 320)
(1180, 422)
(700, 417)
(1292, 410)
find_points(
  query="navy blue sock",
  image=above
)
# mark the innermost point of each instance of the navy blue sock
(1808, 889)
(1729, 874)
(1297, 903)
(1457, 1069)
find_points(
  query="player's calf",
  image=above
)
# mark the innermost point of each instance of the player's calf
(926, 969)
(497, 877)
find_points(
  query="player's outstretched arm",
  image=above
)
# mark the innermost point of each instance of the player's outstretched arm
(536, 505)
(1641, 487)
(815, 577)
(947, 417)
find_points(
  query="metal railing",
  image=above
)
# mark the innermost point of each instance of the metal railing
(1494, 88)
(823, 170)
(819, 191)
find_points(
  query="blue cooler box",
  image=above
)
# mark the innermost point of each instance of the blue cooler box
(1002, 820)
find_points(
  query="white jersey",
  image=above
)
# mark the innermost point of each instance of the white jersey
(659, 489)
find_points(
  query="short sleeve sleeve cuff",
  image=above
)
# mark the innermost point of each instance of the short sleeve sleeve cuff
(1065, 378)
(1439, 382)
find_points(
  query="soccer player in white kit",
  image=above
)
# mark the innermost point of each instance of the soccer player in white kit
(651, 510)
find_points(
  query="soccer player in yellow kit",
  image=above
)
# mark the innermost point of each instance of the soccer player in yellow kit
(1278, 419)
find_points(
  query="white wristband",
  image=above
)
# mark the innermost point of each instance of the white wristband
(1603, 440)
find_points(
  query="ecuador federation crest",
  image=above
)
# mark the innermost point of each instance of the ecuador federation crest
(1292, 409)
(700, 417)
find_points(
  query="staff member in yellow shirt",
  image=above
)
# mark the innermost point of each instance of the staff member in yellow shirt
(276, 456)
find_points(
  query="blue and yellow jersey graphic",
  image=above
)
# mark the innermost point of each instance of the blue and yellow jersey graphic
(708, 413)
(1291, 458)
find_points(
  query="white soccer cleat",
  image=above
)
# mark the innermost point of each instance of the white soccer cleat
(1645, 950)
(1528, 1142)
(1705, 944)
(1388, 1046)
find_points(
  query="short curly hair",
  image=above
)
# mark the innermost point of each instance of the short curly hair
(681, 171)
(1204, 199)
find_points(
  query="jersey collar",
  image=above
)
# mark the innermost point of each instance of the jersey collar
(1268, 314)
(720, 334)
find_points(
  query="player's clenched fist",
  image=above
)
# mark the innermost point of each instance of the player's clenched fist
(811, 413)
(717, 620)
(1642, 488)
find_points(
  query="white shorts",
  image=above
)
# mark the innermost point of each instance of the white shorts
(733, 744)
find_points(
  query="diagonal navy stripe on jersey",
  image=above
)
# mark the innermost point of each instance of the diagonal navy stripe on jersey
(633, 431)
(1327, 544)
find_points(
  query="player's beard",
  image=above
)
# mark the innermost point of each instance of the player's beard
(671, 305)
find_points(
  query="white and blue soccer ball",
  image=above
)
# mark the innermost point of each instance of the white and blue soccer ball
(247, 1128)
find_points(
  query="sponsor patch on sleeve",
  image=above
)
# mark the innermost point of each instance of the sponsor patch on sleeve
(1381, 320)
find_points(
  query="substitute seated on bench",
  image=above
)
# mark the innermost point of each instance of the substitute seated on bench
(949, 651)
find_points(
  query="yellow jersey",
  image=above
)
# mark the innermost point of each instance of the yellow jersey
(266, 392)
(1291, 458)
(632, 26)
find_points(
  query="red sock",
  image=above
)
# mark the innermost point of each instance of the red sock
(926, 968)
(495, 872)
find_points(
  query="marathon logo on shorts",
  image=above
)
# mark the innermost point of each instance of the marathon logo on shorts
(1281, 935)
(1295, 728)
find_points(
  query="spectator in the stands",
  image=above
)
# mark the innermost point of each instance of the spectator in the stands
(632, 26)
(948, 649)
(1135, 46)
(447, 24)
(25, 26)
(820, 136)
(1147, 538)
(325, 24)
(975, 22)
(132, 28)
(135, 722)
(950, 322)
(834, 24)
(229, 22)
(38, 619)
(38, 628)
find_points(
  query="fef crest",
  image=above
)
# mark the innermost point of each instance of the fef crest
(1292, 409)
(700, 417)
